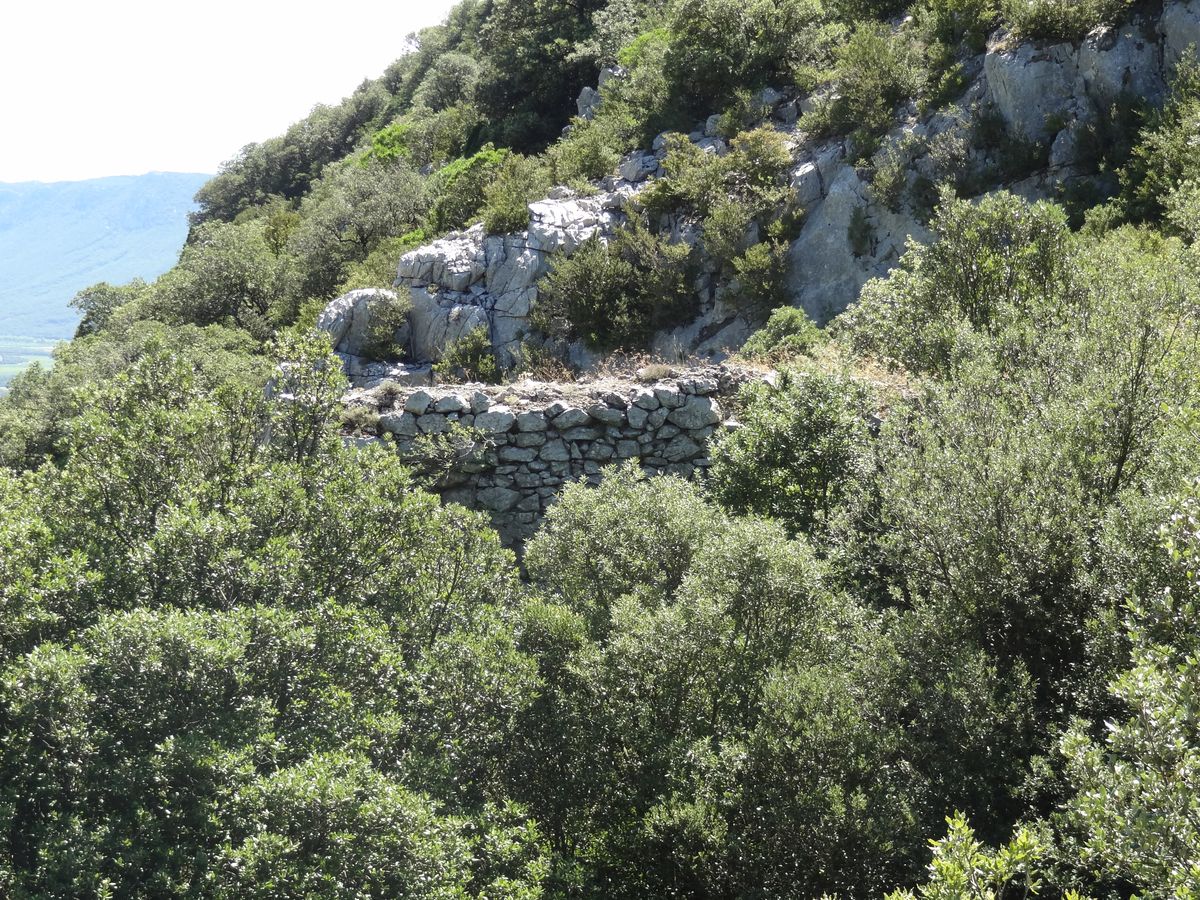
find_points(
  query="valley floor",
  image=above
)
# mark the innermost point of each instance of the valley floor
(17, 353)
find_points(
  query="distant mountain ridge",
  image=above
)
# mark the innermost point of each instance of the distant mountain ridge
(57, 238)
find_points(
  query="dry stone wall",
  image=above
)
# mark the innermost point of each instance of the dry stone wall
(516, 447)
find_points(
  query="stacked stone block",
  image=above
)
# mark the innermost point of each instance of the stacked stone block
(526, 451)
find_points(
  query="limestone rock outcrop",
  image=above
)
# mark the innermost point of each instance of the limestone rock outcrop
(1049, 95)
(347, 320)
(1180, 29)
(1040, 90)
(470, 279)
(828, 267)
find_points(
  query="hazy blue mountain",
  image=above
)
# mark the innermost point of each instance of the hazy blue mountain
(56, 239)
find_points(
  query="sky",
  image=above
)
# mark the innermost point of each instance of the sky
(125, 87)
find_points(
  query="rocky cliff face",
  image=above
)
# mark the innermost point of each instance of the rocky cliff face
(1052, 96)
(471, 279)
(1057, 96)
(518, 445)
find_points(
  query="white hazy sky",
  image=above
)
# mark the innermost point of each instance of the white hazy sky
(123, 87)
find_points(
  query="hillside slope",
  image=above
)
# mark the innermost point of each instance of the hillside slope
(900, 601)
(56, 239)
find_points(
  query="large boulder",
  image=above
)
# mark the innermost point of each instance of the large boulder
(825, 274)
(439, 322)
(1116, 62)
(1180, 29)
(1032, 86)
(512, 264)
(347, 319)
(588, 102)
(469, 279)
(807, 188)
(846, 240)
(561, 226)
(455, 262)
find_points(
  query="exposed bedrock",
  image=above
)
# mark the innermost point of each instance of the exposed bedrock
(1052, 95)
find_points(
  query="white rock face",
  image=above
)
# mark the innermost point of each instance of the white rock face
(638, 167)
(1180, 29)
(454, 262)
(470, 280)
(1030, 85)
(1047, 93)
(826, 276)
(438, 324)
(561, 226)
(347, 319)
(826, 273)
(1120, 61)
(806, 184)
(1041, 89)
(588, 102)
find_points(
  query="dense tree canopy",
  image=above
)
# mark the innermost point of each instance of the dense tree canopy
(938, 584)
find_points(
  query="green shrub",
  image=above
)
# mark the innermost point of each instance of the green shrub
(1103, 218)
(623, 28)
(592, 150)
(350, 211)
(391, 142)
(424, 137)
(616, 295)
(852, 12)
(98, 303)
(360, 420)
(1165, 155)
(949, 152)
(227, 274)
(636, 107)
(875, 71)
(758, 165)
(1064, 20)
(799, 452)
(631, 534)
(460, 187)
(725, 229)
(542, 363)
(889, 181)
(762, 277)
(645, 95)
(387, 314)
(719, 46)
(692, 179)
(860, 232)
(378, 270)
(745, 110)
(955, 23)
(450, 81)
(788, 333)
(643, 49)
(998, 270)
(517, 181)
(965, 869)
(469, 359)
(753, 173)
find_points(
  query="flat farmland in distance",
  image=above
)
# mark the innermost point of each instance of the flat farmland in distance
(16, 353)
